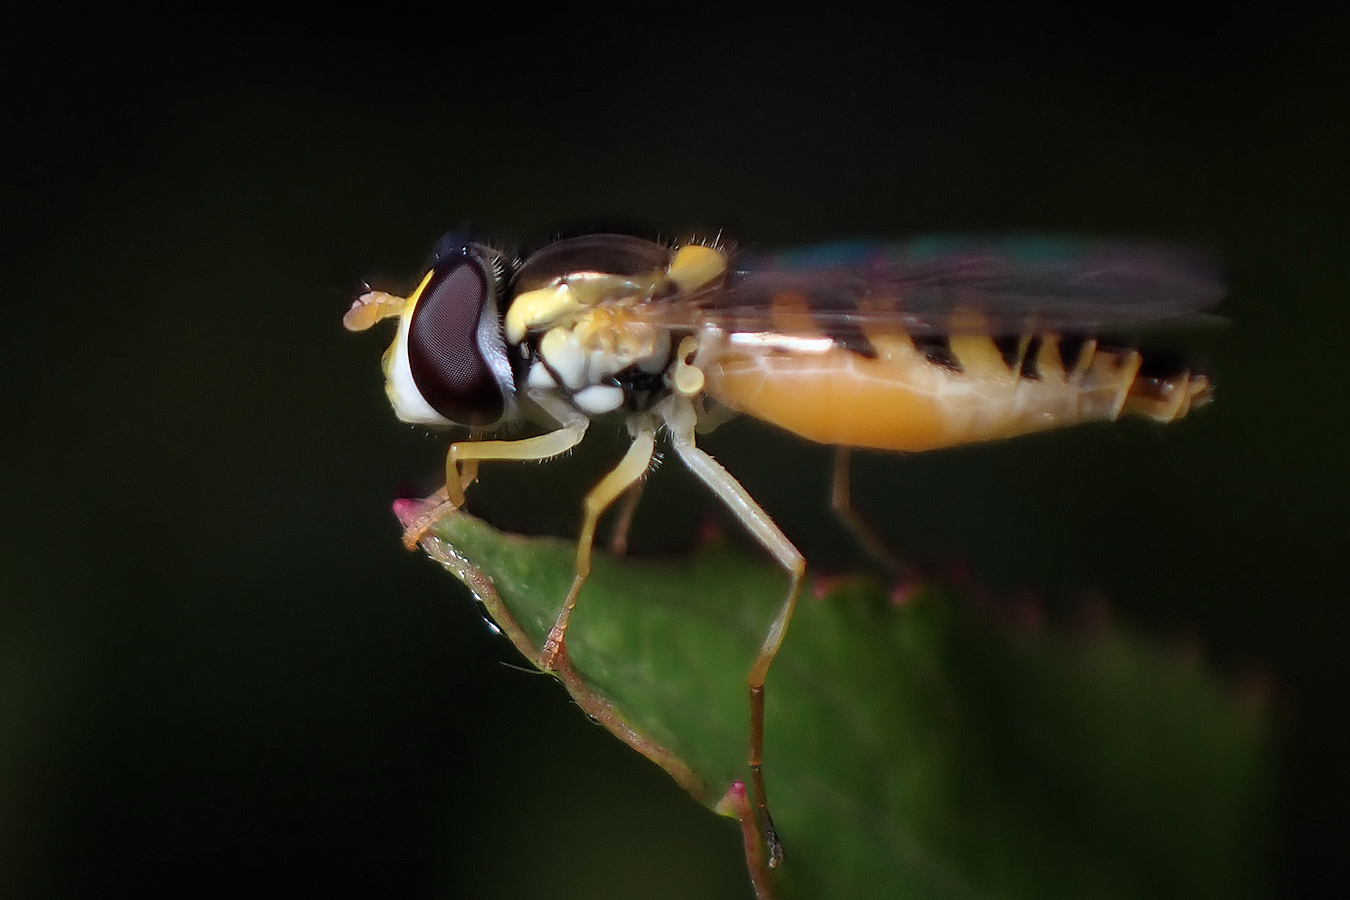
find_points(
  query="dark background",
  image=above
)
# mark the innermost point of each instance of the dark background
(219, 671)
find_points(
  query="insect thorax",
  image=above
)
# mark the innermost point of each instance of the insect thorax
(600, 359)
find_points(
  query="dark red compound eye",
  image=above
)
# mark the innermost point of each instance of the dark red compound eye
(454, 339)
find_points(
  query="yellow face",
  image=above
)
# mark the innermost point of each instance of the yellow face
(409, 404)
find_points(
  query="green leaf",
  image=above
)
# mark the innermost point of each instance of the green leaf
(922, 749)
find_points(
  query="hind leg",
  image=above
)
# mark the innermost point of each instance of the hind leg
(841, 501)
(679, 417)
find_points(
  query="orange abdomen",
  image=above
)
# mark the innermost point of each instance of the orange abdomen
(903, 395)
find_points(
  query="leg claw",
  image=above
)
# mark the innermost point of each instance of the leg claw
(553, 650)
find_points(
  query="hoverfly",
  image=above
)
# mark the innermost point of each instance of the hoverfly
(906, 347)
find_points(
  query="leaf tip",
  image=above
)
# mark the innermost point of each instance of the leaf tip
(406, 510)
(735, 802)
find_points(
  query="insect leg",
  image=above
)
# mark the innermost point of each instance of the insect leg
(632, 467)
(623, 522)
(541, 447)
(537, 449)
(841, 501)
(679, 417)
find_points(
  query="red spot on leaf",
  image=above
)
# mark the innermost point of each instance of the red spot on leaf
(904, 592)
(711, 532)
(824, 585)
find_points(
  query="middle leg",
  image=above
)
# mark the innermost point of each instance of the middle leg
(626, 474)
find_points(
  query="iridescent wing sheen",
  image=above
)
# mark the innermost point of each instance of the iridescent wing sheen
(954, 285)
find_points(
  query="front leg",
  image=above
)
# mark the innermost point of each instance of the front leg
(538, 448)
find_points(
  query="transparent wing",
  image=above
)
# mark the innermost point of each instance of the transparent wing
(956, 285)
(614, 254)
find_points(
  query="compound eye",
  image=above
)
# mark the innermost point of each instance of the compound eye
(451, 343)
